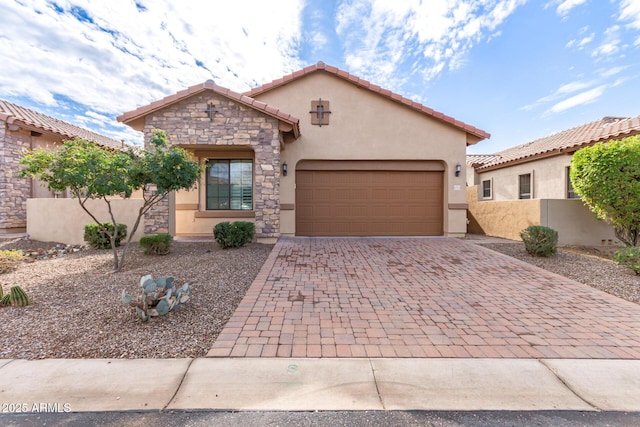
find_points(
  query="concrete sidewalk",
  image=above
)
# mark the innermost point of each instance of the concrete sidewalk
(56, 385)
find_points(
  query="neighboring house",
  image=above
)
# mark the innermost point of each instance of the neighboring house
(23, 129)
(318, 152)
(529, 185)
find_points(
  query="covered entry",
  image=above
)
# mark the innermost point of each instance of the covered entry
(369, 198)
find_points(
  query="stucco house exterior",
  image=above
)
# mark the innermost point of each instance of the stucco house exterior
(319, 152)
(23, 129)
(529, 185)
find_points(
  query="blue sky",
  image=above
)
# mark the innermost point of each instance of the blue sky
(517, 69)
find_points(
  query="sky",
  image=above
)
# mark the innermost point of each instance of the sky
(517, 69)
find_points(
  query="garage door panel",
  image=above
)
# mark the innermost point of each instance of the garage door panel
(368, 202)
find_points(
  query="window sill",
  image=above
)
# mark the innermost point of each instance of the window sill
(225, 214)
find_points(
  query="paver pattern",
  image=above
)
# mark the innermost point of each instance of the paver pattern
(421, 297)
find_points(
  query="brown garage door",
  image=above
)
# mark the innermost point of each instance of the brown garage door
(369, 203)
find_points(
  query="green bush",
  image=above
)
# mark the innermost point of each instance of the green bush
(234, 235)
(98, 239)
(9, 260)
(540, 240)
(156, 244)
(629, 257)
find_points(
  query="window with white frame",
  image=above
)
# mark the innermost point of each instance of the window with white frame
(524, 186)
(486, 188)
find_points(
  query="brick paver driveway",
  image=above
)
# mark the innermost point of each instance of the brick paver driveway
(411, 297)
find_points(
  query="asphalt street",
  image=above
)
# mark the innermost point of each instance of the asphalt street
(326, 418)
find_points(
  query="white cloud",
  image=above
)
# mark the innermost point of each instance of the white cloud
(610, 72)
(580, 92)
(382, 37)
(610, 45)
(630, 11)
(586, 40)
(114, 56)
(566, 6)
(582, 98)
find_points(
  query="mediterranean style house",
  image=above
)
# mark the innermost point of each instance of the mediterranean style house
(529, 185)
(23, 129)
(319, 152)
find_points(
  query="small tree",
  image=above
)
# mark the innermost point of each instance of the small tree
(93, 172)
(606, 176)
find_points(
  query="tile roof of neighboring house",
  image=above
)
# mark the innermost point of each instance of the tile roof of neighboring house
(566, 141)
(18, 115)
(210, 85)
(320, 66)
(476, 160)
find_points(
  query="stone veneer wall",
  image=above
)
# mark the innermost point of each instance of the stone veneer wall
(187, 123)
(14, 191)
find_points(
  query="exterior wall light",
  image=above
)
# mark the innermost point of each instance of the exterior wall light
(458, 169)
(284, 169)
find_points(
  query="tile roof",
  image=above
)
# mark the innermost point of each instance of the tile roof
(476, 160)
(322, 67)
(210, 85)
(16, 114)
(569, 140)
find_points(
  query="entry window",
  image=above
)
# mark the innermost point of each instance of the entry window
(524, 186)
(570, 193)
(486, 189)
(229, 184)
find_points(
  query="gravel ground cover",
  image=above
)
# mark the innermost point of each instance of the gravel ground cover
(76, 310)
(581, 265)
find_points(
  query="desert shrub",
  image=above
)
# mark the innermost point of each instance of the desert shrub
(235, 234)
(540, 240)
(156, 244)
(9, 260)
(98, 239)
(628, 256)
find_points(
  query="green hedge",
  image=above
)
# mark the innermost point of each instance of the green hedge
(156, 244)
(98, 239)
(234, 235)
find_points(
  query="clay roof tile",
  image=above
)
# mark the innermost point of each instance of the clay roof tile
(568, 140)
(20, 115)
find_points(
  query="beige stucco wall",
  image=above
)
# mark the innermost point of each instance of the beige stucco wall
(63, 220)
(549, 178)
(574, 222)
(366, 126)
(501, 218)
